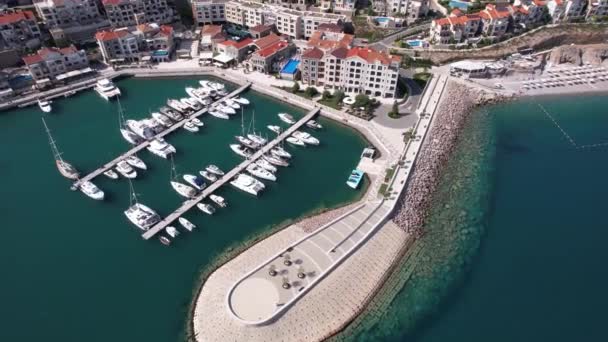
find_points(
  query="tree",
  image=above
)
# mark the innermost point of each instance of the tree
(394, 113)
(361, 100)
(295, 88)
(326, 95)
(338, 96)
(311, 92)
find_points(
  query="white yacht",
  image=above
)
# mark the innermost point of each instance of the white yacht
(177, 105)
(163, 119)
(295, 141)
(106, 89)
(183, 189)
(248, 184)
(126, 170)
(195, 181)
(172, 231)
(313, 124)
(154, 125)
(287, 118)
(170, 113)
(305, 137)
(140, 128)
(111, 174)
(66, 169)
(197, 122)
(261, 172)
(161, 148)
(206, 208)
(191, 103)
(142, 216)
(246, 142)
(91, 190)
(199, 95)
(240, 150)
(131, 137)
(274, 128)
(257, 139)
(190, 127)
(134, 161)
(164, 240)
(231, 104)
(241, 100)
(276, 161)
(45, 105)
(219, 200)
(214, 169)
(266, 165)
(218, 114)
(225, 109)
(186, 224)
(212, 85)
(280, 152)
(208, 175)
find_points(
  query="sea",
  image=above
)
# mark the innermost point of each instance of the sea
(515, 245)
(75, 269)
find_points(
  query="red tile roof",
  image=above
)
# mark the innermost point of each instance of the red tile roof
(330, 27)
(166, 30)
(111, 2)
(371, 55)
(44, 53)
(266, 41)
(314, 53)
(319, 39)
(10, 18)
(239, 45)
(260, 28)
(105, 36)
(493, 12)
(211, 29)
(272, 49)
(457, 12)
(442, 21)
(32, 59)
(540, 3)
(340, 52)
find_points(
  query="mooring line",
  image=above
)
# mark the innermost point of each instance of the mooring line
(558, 126)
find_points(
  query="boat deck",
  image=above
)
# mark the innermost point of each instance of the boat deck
(187, 205)
(144, 144)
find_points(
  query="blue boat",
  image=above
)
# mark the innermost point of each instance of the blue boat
(355, 178)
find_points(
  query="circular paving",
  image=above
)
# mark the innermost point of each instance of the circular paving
(254, 299)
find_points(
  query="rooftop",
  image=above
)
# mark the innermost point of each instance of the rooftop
(314, 53)
(328, 40)
(372, 56)
(46, 52)
(239, 45)
(111, 35)
(267, 41)
(10, 18)
(272, 49)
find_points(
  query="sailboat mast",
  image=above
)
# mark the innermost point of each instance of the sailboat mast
(54, 149)
(132, 194)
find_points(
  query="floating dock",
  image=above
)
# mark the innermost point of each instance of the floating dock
(144, 144)
(187, 205)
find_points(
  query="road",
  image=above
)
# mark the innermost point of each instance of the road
(387, 42)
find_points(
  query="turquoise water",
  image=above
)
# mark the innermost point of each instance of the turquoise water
(291, 66)
(463, 5)
(76, 270)
(515, 246)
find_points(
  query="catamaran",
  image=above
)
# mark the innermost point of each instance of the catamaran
(208, 175)
(219, 200)
(111, 174)
(195, 181)
(161, 148)
(65, 168)
(45, 105)
(313, 124)
(276, 161)
(206, 208)
(305, 137)
(248, 184)
(106, 89)
(134, 161)
(91, 190)
(125, 169)
(186, 224)
(295, 141)
(163, 119)
(139, 214)
(140, 128)
(287, 118)
(240, 150)
(260, 172)
(214, 169)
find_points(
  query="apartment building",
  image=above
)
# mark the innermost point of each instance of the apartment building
(597, 8)
(412, 9)
(235, 50)
(18, 29)
(136, 44)
(328, 39)
(536, 9)
(312, 20)
(271, 58)
(208, 11)
(123, 13)
(76, 20)
(52, 64)
(495, 20)
(456, 28)
(289, 22)
(357, 70)
(566, 10)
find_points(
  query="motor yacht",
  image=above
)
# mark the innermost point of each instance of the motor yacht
(172, 114)
(241, 100)
(248, 184)
(140, 129)
(131, 137)
(219, 200)
(274, 128)
(266, 165)
(206, 208)
(313, 124)
(199, 95)
(106, 89)
(161, 148)
(172, 231)
(183, 189)
(190, 127)
(295, 141)
(142, 216)
(191, 103)
(240, 150)
(287, 118)
(275, 160)
(260, 172)
(91, 190)
(212, 85)
(256, 138)
(214, 169)
(134, 161)
(186, 224)
(163, 119)
(45, 105)
(231, 104)
(208, 175)
(225, 109)
(280, 152)
(111, 174)
(154, 125)
(246, 142)
(126, 170)
(305, 137)
(195, 181)
(177, 105)
(218, 114)
(197, 122)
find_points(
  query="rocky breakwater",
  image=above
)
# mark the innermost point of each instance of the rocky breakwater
(457, 101)
(594, 54)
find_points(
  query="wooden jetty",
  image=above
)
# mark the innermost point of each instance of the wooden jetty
(144, 144)
(187, 205)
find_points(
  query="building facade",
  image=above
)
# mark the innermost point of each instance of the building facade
(135, 44)
(123, 13)
(68, 13)
(597, 8)
(566, 10)
(208, 11)
(18, 29)
(271, 58)
(48, 63)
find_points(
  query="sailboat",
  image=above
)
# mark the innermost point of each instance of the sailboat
(129, 136)
(65, 168)
(256, 138)
(181, 188)
(140, 215)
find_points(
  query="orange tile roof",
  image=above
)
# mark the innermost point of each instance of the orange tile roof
(314, 53)
(267, 41)
(260, 28)
(493, 12)
(111, 2)
(371, 55)
(10, 18)
(272, 49)
(540, 3)
(105, 36)
(43, 53)
(212, 29)
(166, 30)
(319, 39)
(239, 45)
(442, 21)
(457, 12)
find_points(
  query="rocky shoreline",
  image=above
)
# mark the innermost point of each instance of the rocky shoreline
(457, 102)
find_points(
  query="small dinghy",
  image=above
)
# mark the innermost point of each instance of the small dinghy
(111, 174)
(186, 224)
(206, 208)
(172, 231)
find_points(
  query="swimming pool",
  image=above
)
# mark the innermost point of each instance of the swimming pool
(416, 43)
(460, 4)
(160, 53)
(382, 19)
(290, 67)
